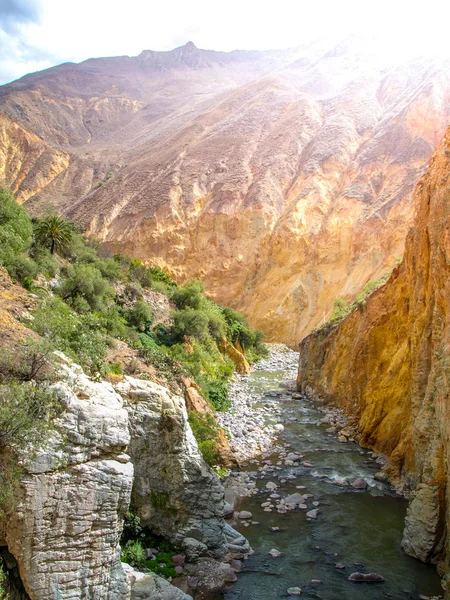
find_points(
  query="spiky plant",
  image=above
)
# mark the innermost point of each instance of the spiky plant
(53, 230)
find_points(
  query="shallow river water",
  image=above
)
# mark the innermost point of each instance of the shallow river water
(359, 530)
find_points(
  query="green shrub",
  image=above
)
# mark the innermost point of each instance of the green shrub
(132, 528)
(31, 360)
(216, 391)
(140, 315)
(206, 432)
(191, 323)
(3, 594)
(26, 414)
(114, 368)
(139, 272)
(159, 276)
(46, 263)
(81, 337)
(84, 285)
(134, 554)
(15, 231)
(23, 268)
(189, 295)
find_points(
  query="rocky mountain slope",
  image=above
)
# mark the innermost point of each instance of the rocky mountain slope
(283, 179)
(387, 363)
(113, 447)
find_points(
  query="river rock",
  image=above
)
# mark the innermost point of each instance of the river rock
(294, 499)
(366, 578)
(360, 484)
(294, 591)
(245, 514)
(148, 586)
(313, 514)
(274, 553)
(236, 565)
(270, 485)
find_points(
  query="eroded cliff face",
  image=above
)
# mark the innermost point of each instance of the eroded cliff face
(282, 179)
(65, 532)
(388, 363)
(175, 493)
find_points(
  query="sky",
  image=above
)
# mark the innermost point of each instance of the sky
(36, 34)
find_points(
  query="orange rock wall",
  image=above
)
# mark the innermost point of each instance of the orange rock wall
(388, 363)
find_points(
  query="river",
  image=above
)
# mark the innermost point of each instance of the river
(355, 530)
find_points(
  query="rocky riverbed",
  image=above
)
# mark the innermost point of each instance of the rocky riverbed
(251, 423)
(310, 500)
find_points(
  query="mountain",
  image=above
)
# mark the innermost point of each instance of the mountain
(282, 178)
(387, 364)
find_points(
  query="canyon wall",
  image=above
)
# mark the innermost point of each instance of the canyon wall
(282, 179)
(388, 363)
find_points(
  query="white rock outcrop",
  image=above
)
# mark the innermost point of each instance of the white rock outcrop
(175, 492)
(65, 533)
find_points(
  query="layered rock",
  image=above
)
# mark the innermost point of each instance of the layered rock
(175, 493)
(283, 171)
(66, 529)
(387, 363)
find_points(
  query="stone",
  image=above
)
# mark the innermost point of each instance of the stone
(294, 591)
(270, 485)
(179, 559)
(236, 565)
(245, 514)
(274, 553)
(148, 586)
(366, 578)
(294, 499)
(339, 566)
(313, 514)
(360, 484)
(192, 582)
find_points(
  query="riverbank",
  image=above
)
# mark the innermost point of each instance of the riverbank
(308, 498)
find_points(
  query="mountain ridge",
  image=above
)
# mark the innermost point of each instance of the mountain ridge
(282, 188)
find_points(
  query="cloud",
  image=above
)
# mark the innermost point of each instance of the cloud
(14, 13)
(17, 55)
(36, 34)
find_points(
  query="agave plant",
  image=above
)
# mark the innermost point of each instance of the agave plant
(55, 231)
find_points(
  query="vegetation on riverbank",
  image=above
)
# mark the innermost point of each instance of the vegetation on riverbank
(87, 302)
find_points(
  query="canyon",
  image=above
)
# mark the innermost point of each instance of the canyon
(386, 364)
(289, 171)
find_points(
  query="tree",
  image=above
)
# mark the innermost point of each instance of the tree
(54, 231)
(140, 315)
(15, 228)
(190, 295)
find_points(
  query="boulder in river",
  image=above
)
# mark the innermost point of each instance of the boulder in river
(366, 578)
(312, 514)
(245, 514)
(294, 499)
(274, 553)
(360, 484)
(294, 591)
